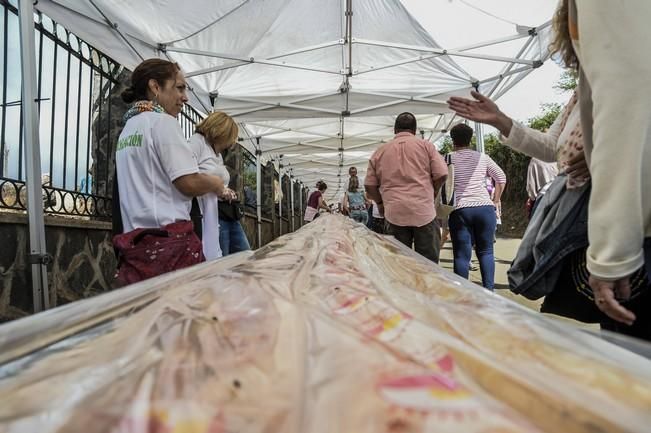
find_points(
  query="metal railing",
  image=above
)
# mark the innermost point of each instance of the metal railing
(248, 172)
(78, 90)
(75, 86)
(188, 118)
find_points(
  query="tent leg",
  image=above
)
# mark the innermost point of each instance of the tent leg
(258, 192)
(300, 207)
(280, 201)
(479, 132)
(38, 257)
(291, 200)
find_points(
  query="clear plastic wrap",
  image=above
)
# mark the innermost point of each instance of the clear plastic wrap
(329, 329)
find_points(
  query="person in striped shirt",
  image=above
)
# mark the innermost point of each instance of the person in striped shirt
(475, 214)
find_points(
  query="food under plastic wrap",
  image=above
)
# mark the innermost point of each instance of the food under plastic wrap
(329, 329)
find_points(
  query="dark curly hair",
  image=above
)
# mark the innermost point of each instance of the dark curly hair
(461, 134)
(157, 69)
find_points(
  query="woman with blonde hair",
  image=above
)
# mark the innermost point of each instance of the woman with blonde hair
(222, 231)
(558, 231)
(355, 201)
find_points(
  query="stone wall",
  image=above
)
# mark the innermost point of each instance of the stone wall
(249, 224)
(83, 266)
(84, 263)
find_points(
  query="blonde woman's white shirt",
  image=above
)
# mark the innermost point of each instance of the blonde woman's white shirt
(209, 163)
(151, 153)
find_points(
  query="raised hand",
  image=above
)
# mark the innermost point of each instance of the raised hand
(481, 109)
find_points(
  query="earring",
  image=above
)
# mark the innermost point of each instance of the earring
(155, 101)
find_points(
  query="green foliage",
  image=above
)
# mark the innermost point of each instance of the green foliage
(568, 81)
(545, 119)
(514, 165)
(446, 145)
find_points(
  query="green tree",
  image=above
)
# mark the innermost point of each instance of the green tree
(545, 119)
(567, 82)
(445, 145)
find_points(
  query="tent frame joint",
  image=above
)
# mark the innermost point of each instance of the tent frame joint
(40, 259)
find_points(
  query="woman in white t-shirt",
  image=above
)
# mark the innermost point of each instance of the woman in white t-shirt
(157, 176)
(215, 134)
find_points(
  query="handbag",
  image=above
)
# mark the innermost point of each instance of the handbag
(147, 253)
(310, 213)
(446, 200)
(230, 211)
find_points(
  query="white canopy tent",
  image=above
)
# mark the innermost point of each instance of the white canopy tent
(318, 82)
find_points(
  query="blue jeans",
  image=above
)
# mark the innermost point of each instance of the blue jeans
(478, 224)
(232, 238)
(361, 216)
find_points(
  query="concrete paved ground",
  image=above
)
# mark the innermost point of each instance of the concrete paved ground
(505, 249)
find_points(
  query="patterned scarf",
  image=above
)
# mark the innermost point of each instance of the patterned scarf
(573, 145)
(142, 106)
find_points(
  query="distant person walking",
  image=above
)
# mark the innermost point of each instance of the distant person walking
(475, 214)
(403, 177)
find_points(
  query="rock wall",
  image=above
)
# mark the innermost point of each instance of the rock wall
(83, 266)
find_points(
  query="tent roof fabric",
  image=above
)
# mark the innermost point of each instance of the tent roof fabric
(319, 82)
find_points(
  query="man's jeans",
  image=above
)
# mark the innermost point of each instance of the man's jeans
(232, 238)
(426, 239)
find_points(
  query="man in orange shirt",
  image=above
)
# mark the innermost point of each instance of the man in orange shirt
(403, 178)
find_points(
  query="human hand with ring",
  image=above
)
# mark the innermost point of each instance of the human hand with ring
(229, 194)
(606, 294)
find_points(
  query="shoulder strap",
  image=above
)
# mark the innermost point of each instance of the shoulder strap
(196, 218)
(116, 217)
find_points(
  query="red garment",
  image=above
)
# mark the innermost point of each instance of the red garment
(313, 201)
(147, 253)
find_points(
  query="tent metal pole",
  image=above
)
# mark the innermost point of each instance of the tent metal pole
(291, 198)
(270, 105)
(281, 129)
(349, 36)
(243, 60)
(258, 190)
(280, 201)
(509, 86)
(492, 42)
(307, 49)
(300, 205)
(508, 68)
(432, 50)
(504, 75)
(479, 132)
(38, 257)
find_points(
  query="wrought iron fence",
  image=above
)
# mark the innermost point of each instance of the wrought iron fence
(249, 180)
(75, 85)
(286, 196)
(268, 198)
(80, 114)
(188, 119)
